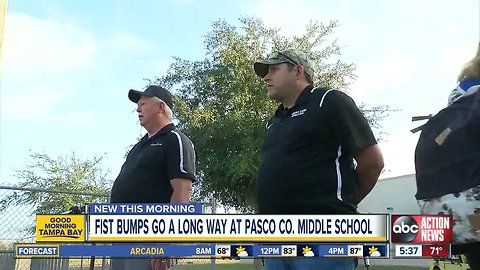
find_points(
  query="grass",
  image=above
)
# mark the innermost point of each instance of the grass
(398, 267)
(236, 265)
(202, 264)
(250, 267)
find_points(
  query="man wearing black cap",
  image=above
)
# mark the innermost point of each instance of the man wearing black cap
(160, 168)
(319, 155)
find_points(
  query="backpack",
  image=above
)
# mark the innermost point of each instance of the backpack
(447, 155)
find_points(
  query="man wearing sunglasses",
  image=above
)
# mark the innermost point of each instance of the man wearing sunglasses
(319, 155)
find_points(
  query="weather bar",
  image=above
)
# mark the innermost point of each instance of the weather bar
(201, 250)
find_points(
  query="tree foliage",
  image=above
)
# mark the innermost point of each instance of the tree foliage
(222, 105)
(56, 184)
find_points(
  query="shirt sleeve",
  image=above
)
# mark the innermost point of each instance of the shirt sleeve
(180, 157)
(349, 124)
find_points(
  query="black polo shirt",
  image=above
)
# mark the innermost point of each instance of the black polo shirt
(307, 164)
(151, 164)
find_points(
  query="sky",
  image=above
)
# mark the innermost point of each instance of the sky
(67, 65)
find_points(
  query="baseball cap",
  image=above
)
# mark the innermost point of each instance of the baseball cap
(152, 91)
(287, 56)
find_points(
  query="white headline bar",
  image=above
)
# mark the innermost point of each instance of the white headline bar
(206, 228)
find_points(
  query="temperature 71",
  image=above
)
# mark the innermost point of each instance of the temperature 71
(435, 251)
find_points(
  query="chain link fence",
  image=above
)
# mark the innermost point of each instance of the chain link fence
(17, 223)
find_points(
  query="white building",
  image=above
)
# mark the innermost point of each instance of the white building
(395, 195)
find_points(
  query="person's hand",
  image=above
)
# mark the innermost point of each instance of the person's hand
(160, 263)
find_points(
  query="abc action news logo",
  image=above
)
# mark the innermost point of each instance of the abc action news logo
(421, 229)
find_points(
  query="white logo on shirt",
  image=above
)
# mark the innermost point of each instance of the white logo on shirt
(155, 144)
(297, 113)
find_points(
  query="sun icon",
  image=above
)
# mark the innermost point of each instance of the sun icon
(372, 250)
(240, 249)
(306, 249)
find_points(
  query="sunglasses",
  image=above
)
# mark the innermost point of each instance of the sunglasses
(277, 54)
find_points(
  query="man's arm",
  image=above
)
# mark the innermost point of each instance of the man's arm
(369, 166)
(356, 137)
(180, 167)
(182, 189)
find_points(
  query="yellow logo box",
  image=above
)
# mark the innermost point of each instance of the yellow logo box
(60, 228)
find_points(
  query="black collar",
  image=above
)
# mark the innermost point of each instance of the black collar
(302, 99)
(162, 131)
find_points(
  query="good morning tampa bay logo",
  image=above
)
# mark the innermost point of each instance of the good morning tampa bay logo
(62, 227)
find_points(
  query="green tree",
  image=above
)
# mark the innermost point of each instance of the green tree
(222, 105)
(56, 184)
